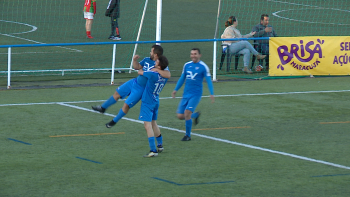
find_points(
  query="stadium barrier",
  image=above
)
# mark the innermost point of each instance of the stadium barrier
(289, 56)
(314, 55)
(113, 68)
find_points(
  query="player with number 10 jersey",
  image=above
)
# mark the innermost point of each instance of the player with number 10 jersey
(150, 104)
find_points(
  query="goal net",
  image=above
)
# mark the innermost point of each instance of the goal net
(59, 21)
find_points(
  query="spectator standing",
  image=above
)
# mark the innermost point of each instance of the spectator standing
(113, 11)
(89, 13)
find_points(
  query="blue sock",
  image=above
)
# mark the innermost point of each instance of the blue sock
(194, 115)
(188, 127)
(159, 139)
(152, 144)
(120, 115)
(108, 102)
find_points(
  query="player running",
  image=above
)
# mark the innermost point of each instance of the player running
(193, 72)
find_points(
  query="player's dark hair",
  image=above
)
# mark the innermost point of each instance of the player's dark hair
(230, 21)
(196, 49)
(157, 49)
(163, 62)
(263, 16)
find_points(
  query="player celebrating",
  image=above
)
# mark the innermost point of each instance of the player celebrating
(89, 13)
(150, 105)
(193, 72)
(134, 87)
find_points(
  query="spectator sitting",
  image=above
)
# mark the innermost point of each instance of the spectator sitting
(240, 47)
(263, 29)
(224, 43)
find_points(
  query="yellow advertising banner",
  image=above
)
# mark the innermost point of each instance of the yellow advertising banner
(316, 55)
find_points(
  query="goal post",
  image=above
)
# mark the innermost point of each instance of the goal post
(158, 29)
(215, 43)
(139, 33)
(29, 26)
(159, 21)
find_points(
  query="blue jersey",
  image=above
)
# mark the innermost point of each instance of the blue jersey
(154, 86)
(193, 74)
(125, 89)
(147, 64)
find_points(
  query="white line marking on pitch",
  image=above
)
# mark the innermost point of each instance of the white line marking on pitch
(222, 140)
(310, 7)
(276, 14)
(34, 28)
(229, 95)
(32, 53)
(76, 50)
(313, 6)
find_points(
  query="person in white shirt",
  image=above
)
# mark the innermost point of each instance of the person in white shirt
(239, 46)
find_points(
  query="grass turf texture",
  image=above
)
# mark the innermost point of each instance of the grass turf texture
(288, 123)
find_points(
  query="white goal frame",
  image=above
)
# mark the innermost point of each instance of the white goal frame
(62, 71)
(215, 42)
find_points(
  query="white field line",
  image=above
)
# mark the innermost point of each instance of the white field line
(313, 6)
(276, 14)
(309, 7)
(209, 137)
(222, 140)
(34, 28)
(33, 52)
(229, 95)
(75, 50)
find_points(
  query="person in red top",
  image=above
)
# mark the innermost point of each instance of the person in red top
(89, 13)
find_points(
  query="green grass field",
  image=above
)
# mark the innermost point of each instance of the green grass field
(280, 137)
(285, 137)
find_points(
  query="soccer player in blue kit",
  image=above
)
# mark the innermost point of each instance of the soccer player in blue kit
(131, 88)
(150, 104)
(193, 73)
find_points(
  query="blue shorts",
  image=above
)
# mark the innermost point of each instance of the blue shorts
(189, 104)
(148, 112)
(125, 89)
(135, 95)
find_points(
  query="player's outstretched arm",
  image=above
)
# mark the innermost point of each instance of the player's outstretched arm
(212, 98)
(210, 87)
(180, 82)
